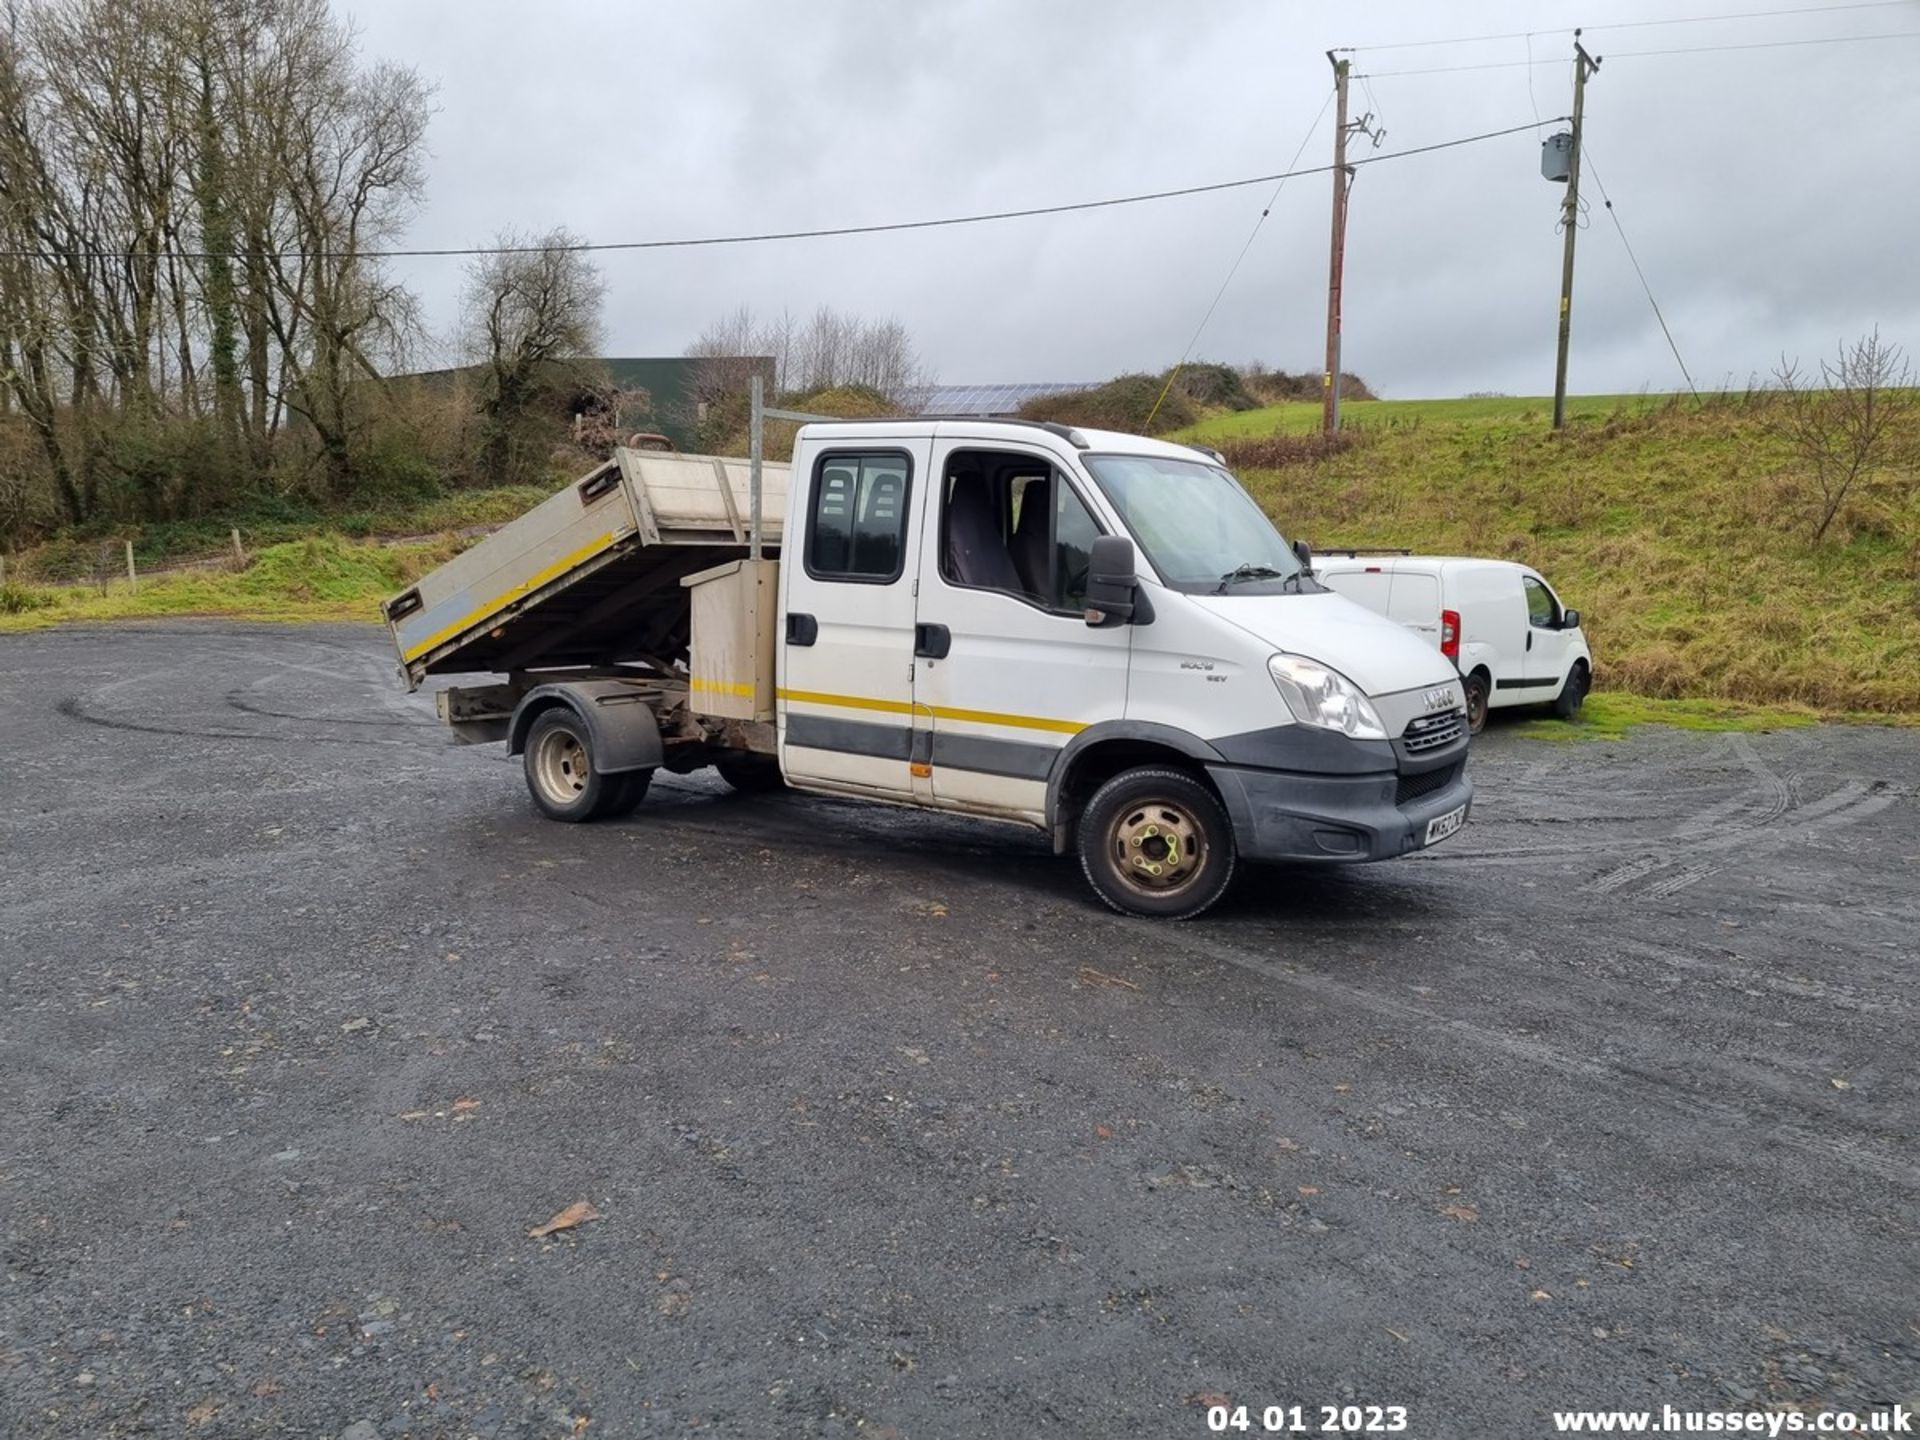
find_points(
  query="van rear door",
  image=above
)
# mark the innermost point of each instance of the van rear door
(1370, 586)
(1415, 602)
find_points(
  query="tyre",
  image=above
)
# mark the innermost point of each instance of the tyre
(1579, 681)
(751, 774)
(1477, 696)
(625, 794)
(558, 763)
(1156, 842)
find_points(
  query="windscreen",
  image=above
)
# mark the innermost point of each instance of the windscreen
(1199, 529)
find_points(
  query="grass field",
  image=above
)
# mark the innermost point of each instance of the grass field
(80, 557)
(320, 578)
(1303, 417)
(1681, 531)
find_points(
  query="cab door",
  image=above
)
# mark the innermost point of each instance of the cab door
(1008, 670)
(1546, 666)
(846, 702)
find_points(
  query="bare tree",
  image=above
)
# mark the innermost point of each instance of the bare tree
(191, 192)
(532, 317)
(1843, 424)
(825, 352)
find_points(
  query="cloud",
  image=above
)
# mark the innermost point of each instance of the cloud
(1767, 192)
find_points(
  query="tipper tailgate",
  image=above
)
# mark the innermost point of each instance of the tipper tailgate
(589, 575)
(556, 541)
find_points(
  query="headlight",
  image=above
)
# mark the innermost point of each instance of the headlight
(1323, 697)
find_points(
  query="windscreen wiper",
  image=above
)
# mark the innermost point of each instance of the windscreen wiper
(1248, 572)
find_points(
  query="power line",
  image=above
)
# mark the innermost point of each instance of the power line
(1768, 44)
(1752, 15)
(1630, 54)
(1234, 269)
(584, 247)
(1637, 25)
(1586, 154)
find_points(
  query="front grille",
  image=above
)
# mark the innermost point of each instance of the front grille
(1431, 732)
(1412, 787)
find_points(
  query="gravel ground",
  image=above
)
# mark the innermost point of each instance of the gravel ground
(891, 1129)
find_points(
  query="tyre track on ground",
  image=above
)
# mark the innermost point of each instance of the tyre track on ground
(1640, 1082)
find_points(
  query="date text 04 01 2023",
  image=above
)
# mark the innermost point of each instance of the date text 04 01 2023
(1309, 1419)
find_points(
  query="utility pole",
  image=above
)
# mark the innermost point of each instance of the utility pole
(1583, 65)
(1330, 416)
(1337, 267)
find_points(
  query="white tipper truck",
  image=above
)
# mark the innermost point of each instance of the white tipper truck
(1098, 635)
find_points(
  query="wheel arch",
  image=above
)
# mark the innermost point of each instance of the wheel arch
(1102, 751)
(622, 733)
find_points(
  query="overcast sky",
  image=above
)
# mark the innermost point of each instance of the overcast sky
(1772, 195)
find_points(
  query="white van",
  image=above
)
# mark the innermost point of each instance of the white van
(1500, 623)
(1098, 635)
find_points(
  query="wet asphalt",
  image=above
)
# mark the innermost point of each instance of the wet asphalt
(891, 1129)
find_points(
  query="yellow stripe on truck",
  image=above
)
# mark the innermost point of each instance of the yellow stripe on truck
(500, 602)
(942, 712)
(721, 687)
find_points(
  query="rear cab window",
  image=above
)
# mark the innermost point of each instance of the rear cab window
(857, 516)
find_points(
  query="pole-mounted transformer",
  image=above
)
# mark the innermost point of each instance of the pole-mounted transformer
(1556, 157)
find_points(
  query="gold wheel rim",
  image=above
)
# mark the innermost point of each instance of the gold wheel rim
(1158, 847)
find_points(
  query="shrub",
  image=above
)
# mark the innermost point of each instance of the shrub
(1120, 404)
(18, 599)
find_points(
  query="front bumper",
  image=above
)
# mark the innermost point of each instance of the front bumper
(1332, 818)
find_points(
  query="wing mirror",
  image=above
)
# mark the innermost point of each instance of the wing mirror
(1112, 585)
(1569, 619)
(1303, 552)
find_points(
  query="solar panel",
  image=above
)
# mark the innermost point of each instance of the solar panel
(1002, 399)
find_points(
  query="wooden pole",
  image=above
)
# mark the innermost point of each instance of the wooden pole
(133, 580)
(239, 551)
(1583, 64)
(1330, 417)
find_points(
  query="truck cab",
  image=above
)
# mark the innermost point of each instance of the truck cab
(1098, 635)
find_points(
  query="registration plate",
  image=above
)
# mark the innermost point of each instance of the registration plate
(1441, 826)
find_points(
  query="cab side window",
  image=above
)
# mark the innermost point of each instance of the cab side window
(857, 525)
(1013, 524)
(1073, 536)
(1542, 609)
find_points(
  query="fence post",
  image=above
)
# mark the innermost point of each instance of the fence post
(239, 551)
(133, 580)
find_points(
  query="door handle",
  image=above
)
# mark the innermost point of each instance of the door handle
(1529, 639)
(802, 629)
(932, 642)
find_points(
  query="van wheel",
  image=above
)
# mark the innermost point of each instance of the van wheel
(1477, 693)
(751, 774)
(1156, 842)
(558, 763)
(1579, 681)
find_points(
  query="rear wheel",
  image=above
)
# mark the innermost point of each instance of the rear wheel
(1156, 842)
(751, 774)
(1477, 695)
(1579, 681)
(558, 763)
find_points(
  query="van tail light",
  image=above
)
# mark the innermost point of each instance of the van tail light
(1450, 634)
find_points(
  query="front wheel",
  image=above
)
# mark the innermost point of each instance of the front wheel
(558, 763)
(1156, 842)
(1579, 681)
